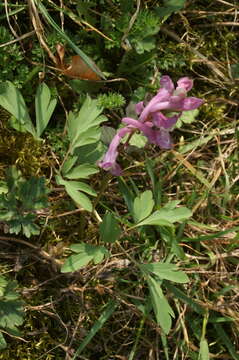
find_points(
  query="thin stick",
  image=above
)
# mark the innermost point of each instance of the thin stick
(43, 253)
(36, 22)
(226, 23)
(131, 23)
(18, 38)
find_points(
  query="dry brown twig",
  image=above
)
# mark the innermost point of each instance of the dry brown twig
(8, 19)
(56, 263)
(131, 23)
(37, 24)
(19, 38)
(219, 23)
(229, 4)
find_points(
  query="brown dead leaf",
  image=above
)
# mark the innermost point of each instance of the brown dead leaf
(77, 69)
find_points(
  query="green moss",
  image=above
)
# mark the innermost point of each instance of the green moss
(22, 150)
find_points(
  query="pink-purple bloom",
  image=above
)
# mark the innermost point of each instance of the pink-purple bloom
(109, 160)
(154, 119)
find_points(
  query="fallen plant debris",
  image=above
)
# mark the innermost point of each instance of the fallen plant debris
(77, 68)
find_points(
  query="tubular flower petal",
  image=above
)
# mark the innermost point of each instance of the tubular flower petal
(109, 160)
(185, 83)
(158, 137)
(191, 103)
(162, 139)
(171, 99)
(139, 107)
(146, 128)
(162, 96)
(166, 83)
(162, 121)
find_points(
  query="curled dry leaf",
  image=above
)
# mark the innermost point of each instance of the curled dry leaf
(77, 69)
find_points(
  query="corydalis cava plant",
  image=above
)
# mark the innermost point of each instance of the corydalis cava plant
(154, 119)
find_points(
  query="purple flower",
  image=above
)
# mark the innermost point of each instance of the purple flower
(153, 121)
(109, 160)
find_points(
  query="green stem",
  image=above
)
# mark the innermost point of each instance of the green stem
(65, 158)
(139, 331)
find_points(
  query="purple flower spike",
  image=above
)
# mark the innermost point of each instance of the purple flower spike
(153, 121)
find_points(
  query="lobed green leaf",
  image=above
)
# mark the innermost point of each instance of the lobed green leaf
(11, 100)
(44, 107)
(82, 171)
(167, 217)
(143, 205)
(162, 310)
(165, 271)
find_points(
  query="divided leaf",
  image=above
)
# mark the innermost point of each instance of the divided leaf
(11, 100)
(68, 164)
(143, 205)
(195, 144)
(3, 343)
(162, 310)
(18, 205)
(83, 127)
(11, 309)
(127, 194)
(187, 117)
(82, 171)
(90, 154)
(170, 6)
(80, 198)
(11, 313)
(33, 193)
(166, 217)
(74, 190)
(165, 271)
(85, 254)
(44, 107)
(79, 185)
